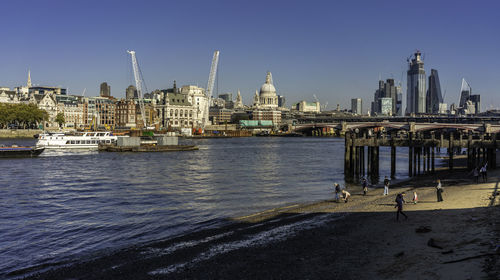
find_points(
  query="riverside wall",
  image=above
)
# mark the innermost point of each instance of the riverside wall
(19, 133)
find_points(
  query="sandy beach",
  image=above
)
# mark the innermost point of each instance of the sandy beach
(458, 238)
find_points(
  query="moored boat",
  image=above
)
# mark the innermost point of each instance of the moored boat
(15, 151)
(85, 141)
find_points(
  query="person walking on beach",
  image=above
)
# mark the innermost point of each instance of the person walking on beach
(439, 191)
(475, 172)
(482, 172)
(337, 192)
(386, 185)
(399, 204)
(364, 184)
(415, 198)
(346, 195)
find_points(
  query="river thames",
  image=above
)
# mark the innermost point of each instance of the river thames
(61, 208)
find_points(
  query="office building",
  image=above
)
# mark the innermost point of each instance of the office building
(105, 90)
(356, 106)
(434, 97)
(415, 94)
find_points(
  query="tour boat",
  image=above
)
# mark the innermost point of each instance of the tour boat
(15, 151)
(85, 140)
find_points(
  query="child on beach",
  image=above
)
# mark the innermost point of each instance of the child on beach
(337, 192)
(364, 184)
(415, 198)
(386, 185)
(346, 195)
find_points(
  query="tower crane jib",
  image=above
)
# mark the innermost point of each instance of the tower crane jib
(138, 83)
(213, 73)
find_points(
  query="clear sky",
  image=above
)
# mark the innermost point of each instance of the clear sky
(336, 50)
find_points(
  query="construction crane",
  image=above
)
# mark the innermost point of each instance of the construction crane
(210, 85)
(138, 83)
(213, 73)
(322, 107)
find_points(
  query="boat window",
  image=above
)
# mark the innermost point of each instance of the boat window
(72, 141)
(78, 142)
(67, 142)
(108, 141)
(88, 141)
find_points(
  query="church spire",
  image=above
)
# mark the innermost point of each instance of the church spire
(29, 78)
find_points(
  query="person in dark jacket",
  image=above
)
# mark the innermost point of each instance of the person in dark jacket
(399, 204)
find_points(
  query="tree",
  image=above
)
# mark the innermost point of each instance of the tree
(60, 119)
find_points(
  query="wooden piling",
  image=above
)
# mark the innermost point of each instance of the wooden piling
(393, 162)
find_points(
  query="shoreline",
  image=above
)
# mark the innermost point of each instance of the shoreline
(325, 240)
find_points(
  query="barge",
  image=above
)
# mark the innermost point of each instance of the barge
(147, 148)
(20, 152)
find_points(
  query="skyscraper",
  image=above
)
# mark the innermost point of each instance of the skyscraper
(415, 94)
(465, 92)
(131, 92)
(385, 90)
(105, 90)
(356, 106)
(434, 96)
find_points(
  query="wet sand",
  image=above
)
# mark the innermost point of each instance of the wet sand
(455, 239)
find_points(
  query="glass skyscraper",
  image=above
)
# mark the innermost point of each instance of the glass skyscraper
(415, 95)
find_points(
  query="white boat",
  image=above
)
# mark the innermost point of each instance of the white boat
(85, 140)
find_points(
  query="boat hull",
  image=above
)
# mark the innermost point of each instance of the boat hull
(20, 152)
(147, 148)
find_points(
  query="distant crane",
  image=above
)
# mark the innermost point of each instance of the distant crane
(213, 73)
(323, 107)
(210, 86)
(138, 83)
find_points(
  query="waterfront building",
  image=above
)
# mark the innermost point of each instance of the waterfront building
(131, 92)
(200, 104)
(105, 90)
(267, 115)
(48, 103)
(89, 112)
(434, 97)
(126, 113)
(105, 110)
(220, 115)
(228, 100)
(415, 95)
(72, 109)
(356, 106)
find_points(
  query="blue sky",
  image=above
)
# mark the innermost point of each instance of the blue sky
(336, 50)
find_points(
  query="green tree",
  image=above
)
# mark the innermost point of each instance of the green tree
(60, 119)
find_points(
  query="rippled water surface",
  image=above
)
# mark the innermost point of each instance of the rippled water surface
(60, 207)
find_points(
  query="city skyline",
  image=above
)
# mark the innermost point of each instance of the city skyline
(331, 50)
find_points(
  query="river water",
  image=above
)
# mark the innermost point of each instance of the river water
(61, 207)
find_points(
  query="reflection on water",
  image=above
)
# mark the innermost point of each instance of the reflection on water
(61, 206)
